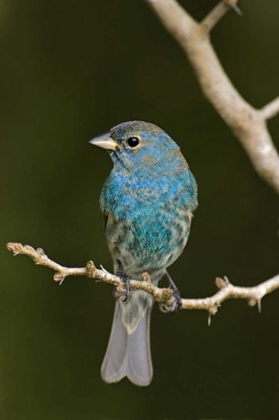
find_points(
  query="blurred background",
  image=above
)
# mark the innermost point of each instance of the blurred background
(70, 70)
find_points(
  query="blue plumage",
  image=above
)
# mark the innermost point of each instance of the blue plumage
(147, 201)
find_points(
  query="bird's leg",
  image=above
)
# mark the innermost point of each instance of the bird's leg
(124, 293)
(177, 303)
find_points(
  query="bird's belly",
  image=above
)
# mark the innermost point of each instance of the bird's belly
(150, 246)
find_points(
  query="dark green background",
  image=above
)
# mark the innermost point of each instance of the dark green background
(70, 70)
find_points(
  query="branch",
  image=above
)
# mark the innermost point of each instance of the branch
(61, 272)
(211, 304)
(247, 123)
(218, 12)
(271, 109)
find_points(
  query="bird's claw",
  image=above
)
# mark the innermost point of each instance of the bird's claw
(177, 301)
(175, 306)
(123, 290)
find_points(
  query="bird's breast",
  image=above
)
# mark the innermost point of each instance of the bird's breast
(147, 223)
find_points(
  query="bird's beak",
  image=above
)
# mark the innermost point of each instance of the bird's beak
(104, 141)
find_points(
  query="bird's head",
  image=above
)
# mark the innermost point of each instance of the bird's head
(136, 143)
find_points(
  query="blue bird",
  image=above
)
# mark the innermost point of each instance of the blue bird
(147, 202)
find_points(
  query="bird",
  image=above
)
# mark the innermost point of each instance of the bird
(147, 203)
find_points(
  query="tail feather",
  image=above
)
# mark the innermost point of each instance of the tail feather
(134, 309)
(139, 367)
(114, 364)
(128, 354)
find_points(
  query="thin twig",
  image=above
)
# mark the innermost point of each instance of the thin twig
(247, 123)
(39, 257)
(270, 110)
(217, 13)
(211, 304)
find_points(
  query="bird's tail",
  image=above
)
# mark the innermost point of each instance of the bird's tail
(128, 352)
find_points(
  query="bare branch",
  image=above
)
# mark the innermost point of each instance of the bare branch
(61, 272)
(270, 110)
(227, 291)
(211, 304)
(217, 13)
(247, 123)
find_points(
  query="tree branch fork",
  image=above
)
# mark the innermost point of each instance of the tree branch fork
(247, 123)
(226, 290)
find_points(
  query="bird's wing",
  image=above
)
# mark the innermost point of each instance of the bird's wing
(105, 223)
(109, 224)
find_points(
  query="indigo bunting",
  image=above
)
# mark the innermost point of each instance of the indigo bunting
(147, 202)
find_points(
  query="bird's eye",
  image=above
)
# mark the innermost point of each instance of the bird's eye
(133, 142)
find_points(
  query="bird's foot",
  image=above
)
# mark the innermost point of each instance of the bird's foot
(177, 301)
(122, 291)
(175, 306)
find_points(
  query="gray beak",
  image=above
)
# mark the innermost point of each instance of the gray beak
(104, 141)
